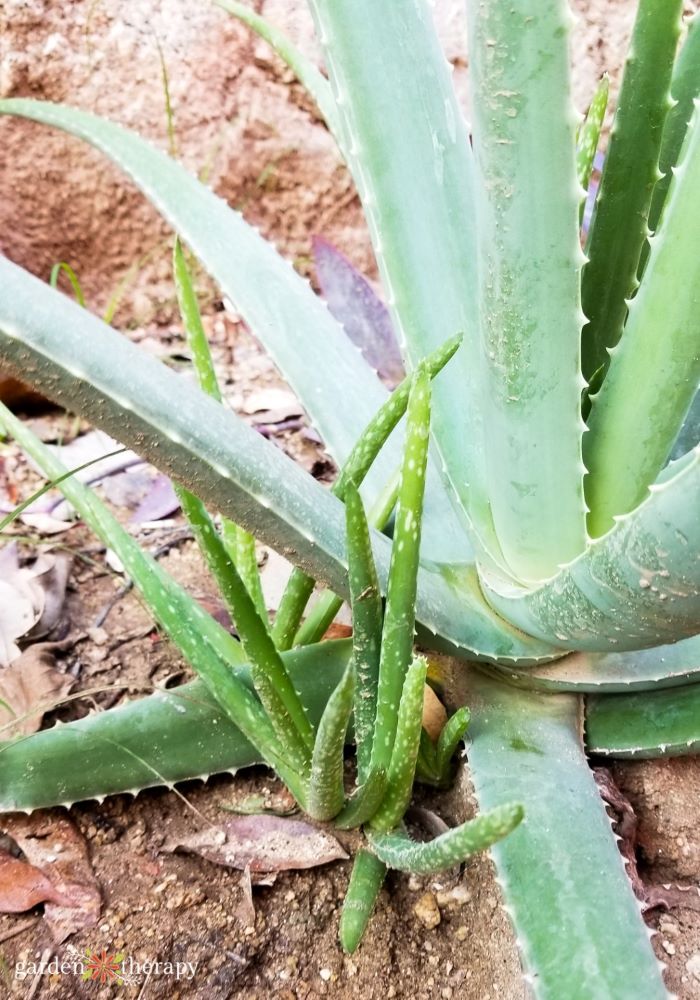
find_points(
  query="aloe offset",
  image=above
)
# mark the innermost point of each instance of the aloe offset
(559, 545)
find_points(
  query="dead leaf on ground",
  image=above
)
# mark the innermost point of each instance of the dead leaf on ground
(434, 714)
(31, 597)
(263, 843)
(22, 886)
(31, 681)
(53, 845)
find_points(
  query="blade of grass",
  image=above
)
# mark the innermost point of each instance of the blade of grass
(66, 269)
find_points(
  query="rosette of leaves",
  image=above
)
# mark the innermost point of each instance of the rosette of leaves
(559, 557)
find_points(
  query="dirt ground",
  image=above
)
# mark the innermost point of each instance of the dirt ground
(239, 115)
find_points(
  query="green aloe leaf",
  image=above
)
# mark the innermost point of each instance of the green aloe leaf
(640, 670)
(366, 880)
(205, 644)
(654, 371)
(451, 848)
(637, 586)
(563, 880)
(409, 152)
(326, 787)
(619, 226)
(530, 265)
(685, 88)
(272, 298)
(588, 134)
(644, 724)
(364, 801)
(308, 75)
(169, 736)
(217, 456)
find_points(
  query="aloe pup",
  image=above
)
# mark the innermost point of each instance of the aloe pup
(559, 546)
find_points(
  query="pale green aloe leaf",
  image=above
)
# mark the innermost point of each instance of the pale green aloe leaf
(619, 225)
(171, 735)
(654, 371)
(308, 75)
(640, 670)
(217, 456)
(685, 87)
(409, 152)
(645, 724)
(278, 305)
(530, 261)
(563, 880)
(637, 586)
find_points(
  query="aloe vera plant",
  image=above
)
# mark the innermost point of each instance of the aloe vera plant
(556, 549)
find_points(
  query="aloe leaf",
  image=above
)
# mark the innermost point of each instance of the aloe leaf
(326, 793)
(402, 767)
(354, 470)
(640, 670)
(215, 454)
(644, 724)
(530, 264)
(367, 615)
(274, 301)
(272, 683)
(452, 734)
(308, 75)
(169, 736)
(409, 152)
(364, 801)
(205, 644)
(240, 545)
(563, 880)
(637, 586)
(654, 371)
(689, 434)
(588, 135)
(366, 879)
(399, 616)
(397, 850)
(619, 226)
(685, 88)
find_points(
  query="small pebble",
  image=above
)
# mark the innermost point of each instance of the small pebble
(325, 974)
(668, 947)
(462, 933)
(427, 910)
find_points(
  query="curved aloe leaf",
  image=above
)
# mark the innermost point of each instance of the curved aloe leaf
(637, 586)
(217, 455)
(638, 670)
(685, 87)
(451, 848)
(277, 304)
(409, 152)
(563, 880)
(530, 264)
(364, 801)
(169, 736)
(619, 226)
(654, 371)
(645, 724)
(308, 75)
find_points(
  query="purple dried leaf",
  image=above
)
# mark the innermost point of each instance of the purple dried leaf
(354, 303)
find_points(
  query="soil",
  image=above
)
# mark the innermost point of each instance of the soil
(239, 114)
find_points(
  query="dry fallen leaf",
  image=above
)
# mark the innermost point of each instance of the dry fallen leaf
(52, 844)
(22, 886)
(434, 714)
(31, 598)
(31, 681)
(262, 843)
